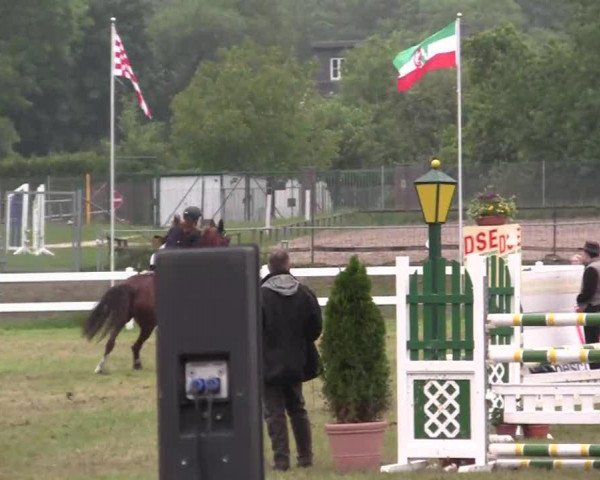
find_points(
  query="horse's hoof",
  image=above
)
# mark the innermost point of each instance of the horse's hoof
(100, 370)
(137, 366)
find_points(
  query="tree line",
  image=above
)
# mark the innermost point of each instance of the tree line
(232, 84)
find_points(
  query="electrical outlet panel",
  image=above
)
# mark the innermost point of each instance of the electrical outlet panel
(204, 379)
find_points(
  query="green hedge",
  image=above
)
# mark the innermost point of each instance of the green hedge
(356, 372)
(56, 164)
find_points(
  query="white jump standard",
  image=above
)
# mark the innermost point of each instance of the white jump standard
(443, 386)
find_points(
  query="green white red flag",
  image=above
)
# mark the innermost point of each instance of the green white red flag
(435, 52)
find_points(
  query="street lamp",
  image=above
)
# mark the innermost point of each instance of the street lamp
(435, 190)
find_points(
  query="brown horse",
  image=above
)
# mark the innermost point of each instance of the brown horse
(134, 298)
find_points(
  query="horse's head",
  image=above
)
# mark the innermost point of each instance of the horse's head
(215, 236)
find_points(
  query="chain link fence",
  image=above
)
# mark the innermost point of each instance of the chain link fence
(244, 197)
(355, 210)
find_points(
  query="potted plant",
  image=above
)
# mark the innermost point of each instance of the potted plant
(356, 373)
(491, 208)
(497, 420)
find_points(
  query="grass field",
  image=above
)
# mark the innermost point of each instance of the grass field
(61, 421)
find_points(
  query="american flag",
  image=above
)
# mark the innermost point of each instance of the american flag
(122, 68)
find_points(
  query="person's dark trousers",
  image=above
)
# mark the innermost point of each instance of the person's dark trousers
(277, 401)
(591, 333)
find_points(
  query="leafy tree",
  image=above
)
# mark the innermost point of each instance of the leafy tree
(36, 37)
(92, 67)
(500, 100)
(253, 109)
(545, 14)
(478, 15)
(356, 143)
(142, 147)
(403, 127)
(583, 115)
(356, 19)
(8, 137)
(355, 367)
(186, 32)
(266, 22)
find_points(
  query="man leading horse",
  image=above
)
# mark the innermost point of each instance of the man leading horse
(134, 298)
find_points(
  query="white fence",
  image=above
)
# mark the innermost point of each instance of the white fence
(34, 307)
(123, 275)
(6, 278)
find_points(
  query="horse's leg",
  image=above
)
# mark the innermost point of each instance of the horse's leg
(146, 329)
(110, 344)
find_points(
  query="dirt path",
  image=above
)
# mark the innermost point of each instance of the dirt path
(540, 239)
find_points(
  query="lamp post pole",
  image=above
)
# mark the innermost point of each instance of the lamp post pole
(435, 190)
(435, 254)
(435, 241)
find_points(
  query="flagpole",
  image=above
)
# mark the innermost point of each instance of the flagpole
(112, 147)
(459, 126)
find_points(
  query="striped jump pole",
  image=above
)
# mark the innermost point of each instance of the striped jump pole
(546, 463)
(587, 346)
(542, 319)
(495, 438)
(545, 449)
(550, 355)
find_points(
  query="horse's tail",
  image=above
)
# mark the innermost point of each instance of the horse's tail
(113, 311)
(221, 227)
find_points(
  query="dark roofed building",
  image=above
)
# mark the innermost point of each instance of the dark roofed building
(330, 55)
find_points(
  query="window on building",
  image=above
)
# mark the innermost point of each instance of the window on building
(335, 68)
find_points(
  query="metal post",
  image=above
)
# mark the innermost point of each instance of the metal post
(77, 222)
(313, 197)
(156, 201)
(554, 232)
(88, 199)
(246, 197)
(202, 201)
(382, 187)
(543, 183)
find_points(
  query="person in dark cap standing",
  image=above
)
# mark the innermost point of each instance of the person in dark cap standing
(588, 299)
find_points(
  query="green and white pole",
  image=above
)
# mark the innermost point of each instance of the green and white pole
(546, 463)
(545, 449)
(542, 319)
(551, 355)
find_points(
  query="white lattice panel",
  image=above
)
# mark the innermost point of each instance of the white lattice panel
(442, 409)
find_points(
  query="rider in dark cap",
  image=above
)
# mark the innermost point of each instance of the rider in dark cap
(183, 234)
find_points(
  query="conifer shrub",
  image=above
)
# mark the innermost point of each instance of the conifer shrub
(355, 365)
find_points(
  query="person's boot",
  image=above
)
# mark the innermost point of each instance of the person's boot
(278, 432)
(302, 434)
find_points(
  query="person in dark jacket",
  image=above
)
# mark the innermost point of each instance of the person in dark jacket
(185, 234)
(292, 322)
(588, 299)
(182, 234)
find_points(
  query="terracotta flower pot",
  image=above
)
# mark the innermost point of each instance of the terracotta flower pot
(356, 446)
(491, 220)
(506, 429)
(536, 431)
